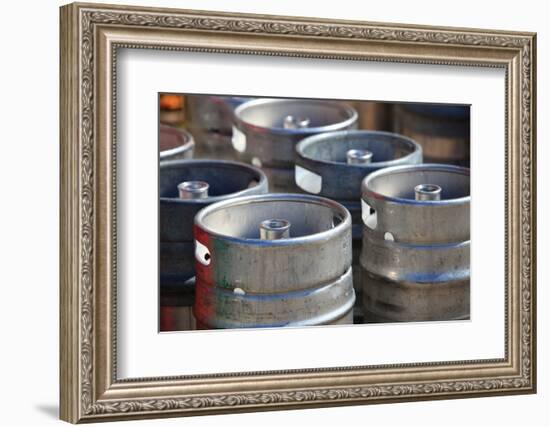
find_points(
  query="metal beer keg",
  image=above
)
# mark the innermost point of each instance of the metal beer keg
(187, 186)
(210, 120)
(175, 143)
(416, 244)
(443, 131)
(266, 132)
(333, 165)
(273, 260)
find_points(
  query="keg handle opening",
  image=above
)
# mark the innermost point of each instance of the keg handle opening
(368, 215)
(296, 122)
(202, 254)
(274, 229)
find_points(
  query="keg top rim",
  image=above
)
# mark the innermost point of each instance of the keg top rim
(327, 136)
(188, 141)
(258, 173)
(350, 120)
(369, 193)
(270, 197)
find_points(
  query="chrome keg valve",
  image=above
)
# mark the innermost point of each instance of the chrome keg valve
(295, 122)
(274, 229)
(193, 190)
(424, 192)
(358, 157)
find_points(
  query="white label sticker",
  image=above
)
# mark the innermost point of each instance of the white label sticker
(202, 254)
(307, 180)
(369, 218)
(238, 140)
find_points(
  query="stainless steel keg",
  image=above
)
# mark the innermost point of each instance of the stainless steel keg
(416, 243)
(175, 143)
(334, 164)
(187, 186)
(442, 130)
(266, 132)
(273, 260)
(210, 120)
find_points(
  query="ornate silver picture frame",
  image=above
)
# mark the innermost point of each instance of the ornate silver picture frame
(92, 36)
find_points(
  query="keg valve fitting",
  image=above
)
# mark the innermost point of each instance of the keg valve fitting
(295, 122)
(193, 190)
(358, 157)
(273, 229)
(427, 192)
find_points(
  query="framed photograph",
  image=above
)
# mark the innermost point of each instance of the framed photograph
(268, 212)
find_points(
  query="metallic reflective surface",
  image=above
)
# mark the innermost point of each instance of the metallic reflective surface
(193, 190)
(334, 164)
(267, 130)
(358, 157)
(390, 192)
(175, 143)
(427, 192)
(292, 122)
(416, 253)
(224, 180)
(304, 279)
(326, 155)
(272, 229)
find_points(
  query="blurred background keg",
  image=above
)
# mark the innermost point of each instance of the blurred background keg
(374, 115)
(416, 244)
(175, 143)
(210, 120)
(273, 260)
(334, 164)
(185, 187)
(266, 132)
(443, 131)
